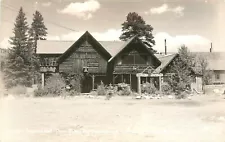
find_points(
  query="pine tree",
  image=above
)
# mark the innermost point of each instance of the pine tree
(136, 26)
(18, 65)
(182, 67)
(38, 31)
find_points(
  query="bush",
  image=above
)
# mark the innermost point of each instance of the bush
(182, 95)
(101, 90)
(93, 93)
(124, 89)
(179, 87)
(18, 90)
(55, 85)
(69, 93)
(73, 93)
(40, 92)
(75, 81)
(166, 88)
(149, 88)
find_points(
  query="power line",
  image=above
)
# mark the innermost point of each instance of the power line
(7, 21)
(56, 24)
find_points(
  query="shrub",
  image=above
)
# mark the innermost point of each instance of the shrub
(182, 95)
(69, 93)
(55, 85)
(73, 93)
(111, 90)
(166, 88)
(18, 90)
(75, 81)
(40, 92)
(124, 89)
(93, 93)
(149, 88)
(178, 86)
(101, 90)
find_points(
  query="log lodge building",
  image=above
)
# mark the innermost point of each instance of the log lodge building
(114, 62)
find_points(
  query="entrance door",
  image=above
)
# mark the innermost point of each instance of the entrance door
(86, 84)
(134, 82)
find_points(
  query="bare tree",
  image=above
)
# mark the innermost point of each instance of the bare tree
(201, 65)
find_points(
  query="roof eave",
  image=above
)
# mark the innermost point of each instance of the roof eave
(163, 68)
(70, 48)
(130, 40)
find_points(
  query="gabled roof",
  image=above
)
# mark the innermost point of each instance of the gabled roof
(59, 47)
(216, 64)
(165, 61)
(216, 60)
(126, 45)
(86, 36)
(113, 47)
(122, 47)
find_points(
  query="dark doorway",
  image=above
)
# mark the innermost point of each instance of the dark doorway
(86, 86)
(134, 82)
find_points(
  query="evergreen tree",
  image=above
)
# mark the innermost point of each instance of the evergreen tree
(136, 26)
(18, 65)
(182, 67)
(38, 31)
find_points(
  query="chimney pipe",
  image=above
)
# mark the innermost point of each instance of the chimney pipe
(211, 48)
(165, 48)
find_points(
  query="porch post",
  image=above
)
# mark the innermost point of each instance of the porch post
(139, 84)
(130, 80)
(160, 83)
(42, 80)
(93, 82)
(113, 79)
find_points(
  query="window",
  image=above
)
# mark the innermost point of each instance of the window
(140, 59)
(128, 59)
(218, 76)
(134, 59)
(54, 63)
(46, 61)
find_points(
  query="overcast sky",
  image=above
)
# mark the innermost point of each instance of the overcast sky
(195, 23)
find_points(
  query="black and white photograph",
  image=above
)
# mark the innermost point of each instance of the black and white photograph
(112, 70)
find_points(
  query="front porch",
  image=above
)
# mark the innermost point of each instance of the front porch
(91, 81)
